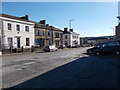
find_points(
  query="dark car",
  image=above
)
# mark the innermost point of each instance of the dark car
(112, 47)
(90, 51)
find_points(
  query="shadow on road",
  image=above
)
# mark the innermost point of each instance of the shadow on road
(85, 72)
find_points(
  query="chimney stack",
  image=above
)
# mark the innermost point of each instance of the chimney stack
(71, 30)
(26, 17)
(65, 29)
(43, 22)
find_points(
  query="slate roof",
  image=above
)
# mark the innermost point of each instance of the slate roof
(14, 17)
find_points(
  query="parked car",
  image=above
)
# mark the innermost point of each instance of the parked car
(62, 46)
(112, 47)
(90, 51)
(50, 48)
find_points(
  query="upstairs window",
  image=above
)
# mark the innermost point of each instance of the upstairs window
(61, 35)
(37, 33)
(27, 28)
(9, 26)
(18, 27)
(56, 35)
(48, 33)
(41, 33)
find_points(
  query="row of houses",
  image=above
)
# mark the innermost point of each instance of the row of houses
(20, 32)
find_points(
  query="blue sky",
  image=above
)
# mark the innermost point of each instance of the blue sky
(90, 18)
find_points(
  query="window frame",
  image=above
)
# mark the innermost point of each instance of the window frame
(9, 25)
(18, 27)
(27, 28)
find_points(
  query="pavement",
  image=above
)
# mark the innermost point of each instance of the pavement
(68, 68)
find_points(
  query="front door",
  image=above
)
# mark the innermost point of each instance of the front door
(18, 42)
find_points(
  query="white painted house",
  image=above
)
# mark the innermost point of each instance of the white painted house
(70, 38)
(16, 31)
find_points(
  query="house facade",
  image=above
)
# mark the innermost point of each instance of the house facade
(57, 37)
(46, 35)
(17, 32)
(40, 33)
(70, 38)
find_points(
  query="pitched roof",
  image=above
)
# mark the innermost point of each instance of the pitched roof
(14, 17)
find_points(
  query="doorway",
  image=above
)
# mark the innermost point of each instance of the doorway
(18, 42)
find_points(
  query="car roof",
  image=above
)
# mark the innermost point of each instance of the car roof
(109, 42)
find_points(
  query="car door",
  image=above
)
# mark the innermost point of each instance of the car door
(105, 48)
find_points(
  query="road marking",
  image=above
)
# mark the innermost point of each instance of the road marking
(28, 63)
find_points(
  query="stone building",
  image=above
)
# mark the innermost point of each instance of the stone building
(46, 35)
(57, 37)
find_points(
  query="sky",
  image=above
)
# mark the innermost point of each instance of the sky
(90, 18)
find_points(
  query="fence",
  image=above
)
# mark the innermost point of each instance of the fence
(6, 49)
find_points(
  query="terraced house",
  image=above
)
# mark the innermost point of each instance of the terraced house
(46, 35)
(70, 38)
(17, 32)
(57, 37)
(39, 35)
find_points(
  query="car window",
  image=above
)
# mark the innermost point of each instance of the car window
(99, 45)
(115, 43)
(104, 44)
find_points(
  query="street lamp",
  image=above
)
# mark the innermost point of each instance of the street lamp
(113, 29)
(70, 22)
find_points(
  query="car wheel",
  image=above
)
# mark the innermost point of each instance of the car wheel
(97, 53)
(117, 53)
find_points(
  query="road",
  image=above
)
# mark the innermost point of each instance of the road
(67, 68)
(18, 68)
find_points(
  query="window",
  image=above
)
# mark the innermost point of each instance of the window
(37, 33)
(9, 26)
(27, 42)
(56, 35)
(73, 37)
(37, 41)
(61, 35)
(27, 28)
(48, 33)
(41, 33)
(18, 27)
(65, 36)
(10, 41)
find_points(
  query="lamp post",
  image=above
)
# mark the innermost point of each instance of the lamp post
(70, 22)
(113, 29)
